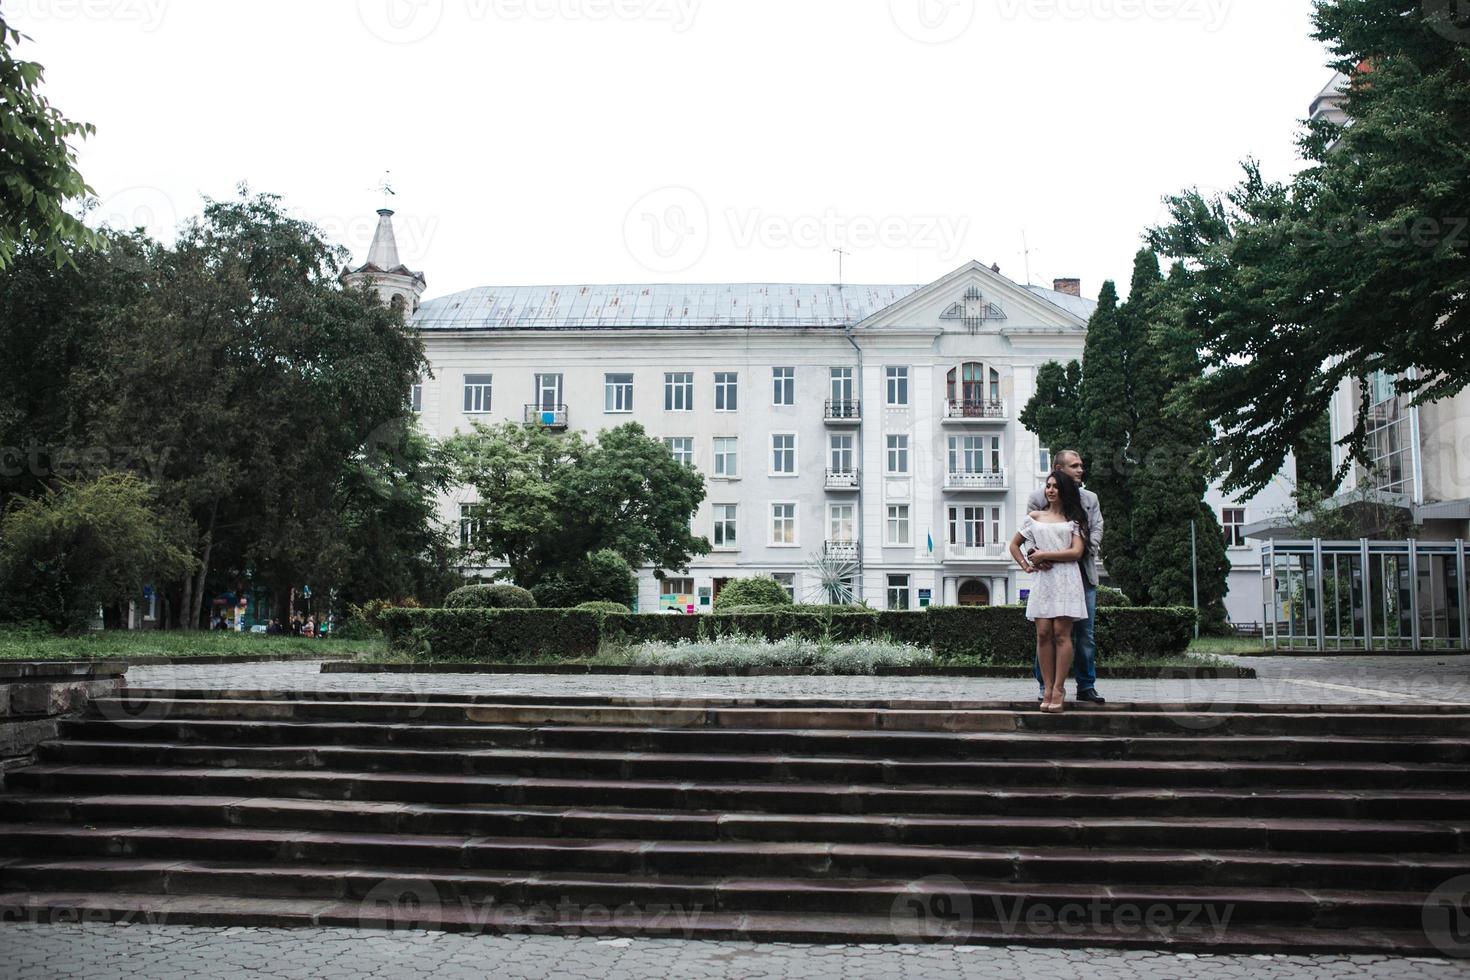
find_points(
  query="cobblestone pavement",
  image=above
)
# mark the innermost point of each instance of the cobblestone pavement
(98, 951)
(1384, 680)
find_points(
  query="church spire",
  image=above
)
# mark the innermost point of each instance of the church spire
(385, 271)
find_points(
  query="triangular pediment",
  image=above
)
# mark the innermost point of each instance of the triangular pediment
(974, 299)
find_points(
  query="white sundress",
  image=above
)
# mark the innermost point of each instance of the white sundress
(1058, 590)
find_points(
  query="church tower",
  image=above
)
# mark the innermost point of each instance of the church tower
(392, 279)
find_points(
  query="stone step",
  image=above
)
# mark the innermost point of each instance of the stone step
(388, 912)
(1223, 721)
(670, 699)
(800, 859)
(984, 901)
(730, 767)
(362, 816)
(888, 744)
(792, 797)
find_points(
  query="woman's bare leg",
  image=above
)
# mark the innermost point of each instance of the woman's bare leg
(1046, 656)
(1062, 665)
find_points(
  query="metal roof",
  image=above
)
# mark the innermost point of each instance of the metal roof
(675, 305)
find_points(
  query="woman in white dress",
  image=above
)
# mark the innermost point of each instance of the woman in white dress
(1054, 542)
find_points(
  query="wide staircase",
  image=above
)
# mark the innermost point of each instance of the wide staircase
(1262, 828)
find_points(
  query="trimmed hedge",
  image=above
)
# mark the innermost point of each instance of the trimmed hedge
(602, 606)
(1145, 630)
(498, 595)
(492, 635)
(996, 634)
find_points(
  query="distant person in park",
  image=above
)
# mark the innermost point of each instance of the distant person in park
(1051, 546)
(308, 629)
(1084, 641)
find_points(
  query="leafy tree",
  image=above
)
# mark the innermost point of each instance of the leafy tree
(1313, 453)
(1130, 410)
(38, 174)
(73, 549)
(1358, 264)
(603, 576)
(554, 499)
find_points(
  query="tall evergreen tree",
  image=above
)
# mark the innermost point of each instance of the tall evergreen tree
(1132, 413)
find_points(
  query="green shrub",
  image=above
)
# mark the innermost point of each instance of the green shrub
(904, 626)
(599, 606)
(997, 634)
(757, 591)
(1109, 596)
(492, 635)
(603, 576)
(1144, 631)
(499, 595)
(625, 629)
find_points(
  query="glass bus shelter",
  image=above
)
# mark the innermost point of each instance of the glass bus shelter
(1365, 595)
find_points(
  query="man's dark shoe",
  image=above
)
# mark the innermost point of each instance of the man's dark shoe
(1091, 695)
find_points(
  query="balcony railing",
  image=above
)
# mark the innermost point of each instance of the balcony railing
(962, 552)
(843, 410)
(842, 479)
(975, 411)
(987, 480)
(551, 416)
(851, 550)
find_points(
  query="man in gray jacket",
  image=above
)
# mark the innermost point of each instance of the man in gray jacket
(1084, 642)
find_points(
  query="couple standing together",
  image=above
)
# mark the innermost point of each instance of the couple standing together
(1058, 545)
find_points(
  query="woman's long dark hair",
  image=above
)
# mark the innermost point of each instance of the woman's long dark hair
(1069, 494)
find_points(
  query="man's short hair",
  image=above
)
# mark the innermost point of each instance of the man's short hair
(1061, 454)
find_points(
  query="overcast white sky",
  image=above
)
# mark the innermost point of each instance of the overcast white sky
(568, 141)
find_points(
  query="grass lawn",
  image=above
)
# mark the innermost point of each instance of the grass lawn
(106, 644)
(1227, 645)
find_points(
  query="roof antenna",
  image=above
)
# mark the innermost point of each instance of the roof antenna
(1026, 251)
(840, 254)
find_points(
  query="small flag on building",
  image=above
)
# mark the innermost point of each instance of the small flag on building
(930, 536)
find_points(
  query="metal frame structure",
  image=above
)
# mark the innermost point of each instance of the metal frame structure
(1365, 595)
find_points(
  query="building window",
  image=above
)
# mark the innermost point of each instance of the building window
(842, 454)
(1389, 446)
(841, 525)
(843, 393)
(617, 393)
(783, 381)
(679, 391)
(898, 455)
(783, 454)
(725, 526)
(476, 393)
(994, 387)
(726, 391)
(898, 592)
(1232, 522)
(471, 525)
(967, 527)
(682, 448)
(677, 587)
(898, 524)
(995, 525)
(783, 524)
(1043, 460)
(548, 392)
(974, 454)
(898, 385)
(416, 397)
(727, 457)
(787, 581)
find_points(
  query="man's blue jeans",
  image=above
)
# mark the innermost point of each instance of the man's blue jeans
(1084, 646)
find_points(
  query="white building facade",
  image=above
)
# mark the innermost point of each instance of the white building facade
(876, 424)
